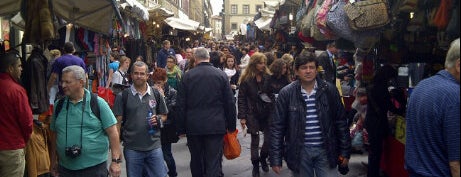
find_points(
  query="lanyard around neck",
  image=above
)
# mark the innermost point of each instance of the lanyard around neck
(81, 123)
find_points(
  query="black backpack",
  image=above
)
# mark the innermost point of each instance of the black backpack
(93, 104)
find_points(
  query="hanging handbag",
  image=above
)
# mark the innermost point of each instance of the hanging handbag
(453, 25)
(232, 147)
(307, 20)
(441, 17)
(365, 15)
(321, 19)
(337, 21)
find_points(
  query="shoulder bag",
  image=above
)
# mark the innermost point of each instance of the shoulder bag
(366, 15)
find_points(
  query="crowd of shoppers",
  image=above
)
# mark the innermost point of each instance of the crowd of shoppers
(288, 100)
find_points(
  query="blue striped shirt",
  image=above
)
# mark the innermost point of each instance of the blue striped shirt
(313, 133)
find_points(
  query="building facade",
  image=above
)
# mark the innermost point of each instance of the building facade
(216, 24)
(196, 10)
(238, 12)
(180, 8)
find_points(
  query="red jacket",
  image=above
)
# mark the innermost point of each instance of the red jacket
(15, 114)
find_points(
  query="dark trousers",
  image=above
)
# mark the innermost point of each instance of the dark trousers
(374, 154)
(99, 170)
(169, 160)
(206, 153)
(255, 138)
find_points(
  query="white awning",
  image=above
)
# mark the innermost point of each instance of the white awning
(208, 30)
(182, 24)
(263, 23)
(274, 3)
(136, 8)
(161, 11)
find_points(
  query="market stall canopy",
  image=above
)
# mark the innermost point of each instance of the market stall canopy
(8, 7)
(161, 11)
(267, 14)
(208, 30)
(263, 23)
(137, 9)
(274, 3)
(182, 24)
(95, 15)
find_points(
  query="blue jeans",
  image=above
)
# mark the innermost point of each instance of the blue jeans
(169, 160)
(314, 160)
(149, 162)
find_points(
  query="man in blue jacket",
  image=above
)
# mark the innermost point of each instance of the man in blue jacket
(164, 53)
(309, 125)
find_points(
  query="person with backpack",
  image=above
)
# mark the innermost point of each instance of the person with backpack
(120, 79)
(83, 128)
(141, 110)
(253, 109)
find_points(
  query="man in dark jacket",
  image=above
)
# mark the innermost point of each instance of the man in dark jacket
(309, 125)
(327, 61)
(164, 53)
(206, 111)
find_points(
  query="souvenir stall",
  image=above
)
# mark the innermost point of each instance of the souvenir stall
(48, 24)
(155, 30)
(136, 17)
(413, 36)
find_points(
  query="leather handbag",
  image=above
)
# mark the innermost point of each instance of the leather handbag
(308, 19)
(307, 23)
(369, 14)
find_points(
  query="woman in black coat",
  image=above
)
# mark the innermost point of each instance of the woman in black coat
(168, 132)
(279, 78)
(252, 112)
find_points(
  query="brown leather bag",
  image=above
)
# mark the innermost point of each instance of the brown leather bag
(366, 15)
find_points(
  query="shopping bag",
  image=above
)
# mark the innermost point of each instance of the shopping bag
(106, 94)
(232, 147)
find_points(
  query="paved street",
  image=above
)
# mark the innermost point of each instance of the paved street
(241, 166)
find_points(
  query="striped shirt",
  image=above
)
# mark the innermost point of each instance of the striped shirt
(432, 126)
(313, 133)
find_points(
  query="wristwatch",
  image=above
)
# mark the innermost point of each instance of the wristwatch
(117, 160)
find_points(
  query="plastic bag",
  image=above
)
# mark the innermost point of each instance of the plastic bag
(232, 147)
(106, 94)
(357, 140)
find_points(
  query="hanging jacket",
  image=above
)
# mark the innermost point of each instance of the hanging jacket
(37, 156)
(35, 81)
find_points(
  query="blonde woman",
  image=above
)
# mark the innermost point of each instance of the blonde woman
(251, 111)
(55, 53)
(120, 78)
(289, 60)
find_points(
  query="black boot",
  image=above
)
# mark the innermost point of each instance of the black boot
(255, 172)
(264, 165)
